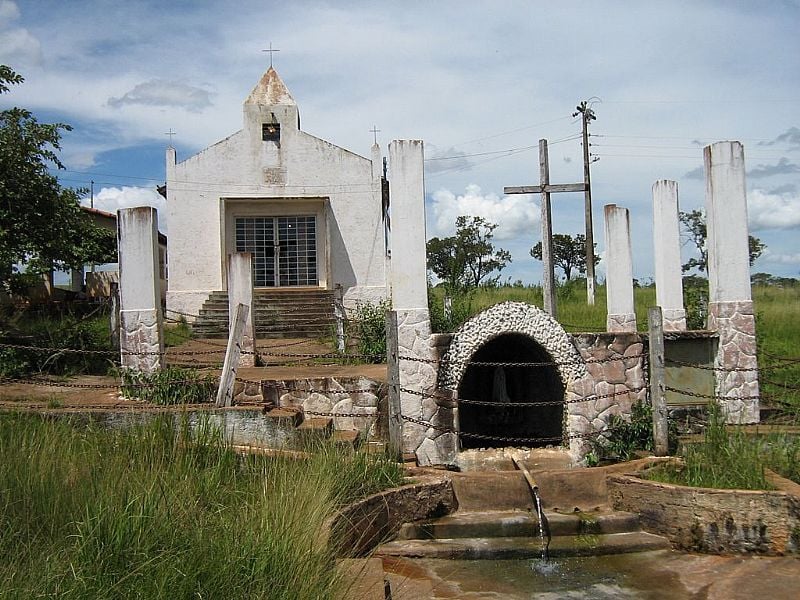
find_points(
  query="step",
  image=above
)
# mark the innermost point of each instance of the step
(314, 429)
(521, 547)
(364, 576)
(518, 524)
(285, 417)
(349, 440)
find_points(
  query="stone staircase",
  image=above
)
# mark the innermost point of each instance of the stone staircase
(287, 313)
(304, 431)
(496, 520)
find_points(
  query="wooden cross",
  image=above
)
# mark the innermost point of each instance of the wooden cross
(545, 188)
(271, 52)
(170, 133)
(375, 132)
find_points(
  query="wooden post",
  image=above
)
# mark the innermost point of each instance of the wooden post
(232, 352)
(658, 397)
(545, 188)
(393, 373)
(548, 274)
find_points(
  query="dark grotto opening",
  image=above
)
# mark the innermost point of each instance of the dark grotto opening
(505, 386)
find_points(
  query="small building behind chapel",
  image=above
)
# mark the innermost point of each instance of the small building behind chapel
(309, 211)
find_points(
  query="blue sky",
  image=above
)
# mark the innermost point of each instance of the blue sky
(479, 82)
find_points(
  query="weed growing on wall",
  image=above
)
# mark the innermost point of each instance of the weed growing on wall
(367, 326)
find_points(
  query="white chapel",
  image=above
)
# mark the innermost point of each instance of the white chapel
(309, 212)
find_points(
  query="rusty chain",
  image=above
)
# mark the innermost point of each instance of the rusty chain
(511, 440)
(709, 396)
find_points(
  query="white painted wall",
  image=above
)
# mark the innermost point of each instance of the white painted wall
(285, 178)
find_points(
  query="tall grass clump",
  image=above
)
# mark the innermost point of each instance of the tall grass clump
(726, 458)
(172, 385)
(154, 513)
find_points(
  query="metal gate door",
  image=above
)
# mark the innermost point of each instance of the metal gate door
(284, 249)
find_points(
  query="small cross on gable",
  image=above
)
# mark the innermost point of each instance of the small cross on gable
(271, 52)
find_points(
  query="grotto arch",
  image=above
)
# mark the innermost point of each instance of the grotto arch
(506, 333)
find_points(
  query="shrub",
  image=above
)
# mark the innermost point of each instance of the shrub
(627, 436)
(368, 327)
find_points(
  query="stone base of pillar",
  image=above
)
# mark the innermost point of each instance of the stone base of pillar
(674, 319)
(141, 341)
(414, 341)
(735, 324)
(623, 322)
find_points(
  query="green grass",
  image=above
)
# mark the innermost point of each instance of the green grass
(143, 513)
(177, 333)
(171, 385)
(778, 330)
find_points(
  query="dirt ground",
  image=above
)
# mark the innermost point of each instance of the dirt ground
(284, 359)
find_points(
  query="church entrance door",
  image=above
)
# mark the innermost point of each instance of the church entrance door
(284, 249)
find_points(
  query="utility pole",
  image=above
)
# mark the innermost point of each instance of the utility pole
(587, 114)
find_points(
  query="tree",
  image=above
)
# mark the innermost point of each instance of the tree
(41, 223)
(694, 225)
(569, 253)
(468, 258)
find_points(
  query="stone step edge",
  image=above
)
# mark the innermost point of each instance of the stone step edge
(515, 547)
(459, 525)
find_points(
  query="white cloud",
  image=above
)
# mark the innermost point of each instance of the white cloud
(111, 199)
(8, 12)
(17, 45)
(513, 215)
(773, 211)
(780, 258)
(160, 92)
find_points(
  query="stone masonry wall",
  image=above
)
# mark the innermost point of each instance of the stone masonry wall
(616, 365)
(343, 395)
(710, 520)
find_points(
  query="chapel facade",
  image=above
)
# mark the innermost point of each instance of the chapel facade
(311, 213)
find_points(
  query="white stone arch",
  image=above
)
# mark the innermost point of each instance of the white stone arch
(502, 319)
(581, 410)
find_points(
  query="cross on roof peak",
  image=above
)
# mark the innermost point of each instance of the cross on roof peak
(375, 131)
(271, 52)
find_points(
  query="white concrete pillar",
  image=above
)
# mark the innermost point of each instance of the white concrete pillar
(730, 309)
(667, 255)
(407, 188)
(140, 316)
(240, 291)
(619, 270)
(410, 292)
